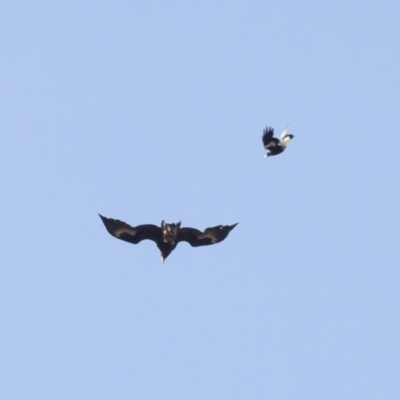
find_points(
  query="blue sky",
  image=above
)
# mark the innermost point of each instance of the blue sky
(146, 111)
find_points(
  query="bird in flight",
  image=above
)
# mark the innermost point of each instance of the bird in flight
(167, 236)
(273, 144)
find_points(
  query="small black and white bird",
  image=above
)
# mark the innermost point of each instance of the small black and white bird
(167, 236)
(273, 144)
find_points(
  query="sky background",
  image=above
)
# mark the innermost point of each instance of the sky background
(151, 110)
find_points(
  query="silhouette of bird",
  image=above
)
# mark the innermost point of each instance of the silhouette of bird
(273, 144)
(167, 236)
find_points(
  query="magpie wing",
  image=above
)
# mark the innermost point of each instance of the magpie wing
(268, 138)
(285, 132)
(131, 234)
(211, 235)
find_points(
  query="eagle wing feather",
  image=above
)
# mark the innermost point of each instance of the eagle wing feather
(121, 230)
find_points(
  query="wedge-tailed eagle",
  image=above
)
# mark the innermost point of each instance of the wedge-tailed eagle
(167, 236)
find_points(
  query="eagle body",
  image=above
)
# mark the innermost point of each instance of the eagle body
(167, 236)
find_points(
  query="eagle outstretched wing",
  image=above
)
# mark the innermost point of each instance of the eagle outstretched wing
(211, 235)
(132, 234)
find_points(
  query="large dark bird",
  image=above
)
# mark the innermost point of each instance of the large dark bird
(273, 144)
(167, 236)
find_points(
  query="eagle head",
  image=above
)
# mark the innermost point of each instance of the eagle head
(169, 232)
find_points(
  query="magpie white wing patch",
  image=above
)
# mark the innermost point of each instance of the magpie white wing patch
(285, 141)
(270, 145)
(285, 132)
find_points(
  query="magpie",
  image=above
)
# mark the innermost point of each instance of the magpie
(273, 144)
